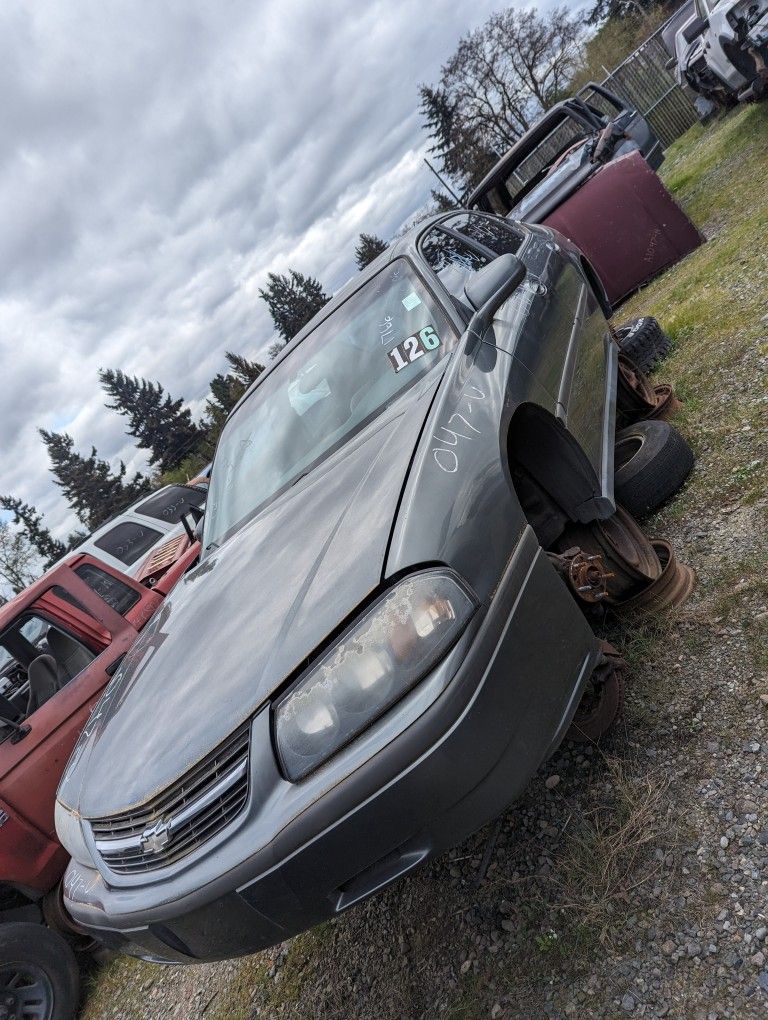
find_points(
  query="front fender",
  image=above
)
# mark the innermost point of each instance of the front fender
(459, 506)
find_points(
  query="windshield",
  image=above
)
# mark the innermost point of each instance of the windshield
(390, 333)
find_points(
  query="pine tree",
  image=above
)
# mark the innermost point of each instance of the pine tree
(92, 490)
(459, 149)
(245, 371)
(27, 517)
(442, 202)
(293, 299)
(368, 247)
(158, 423)
(226, 390)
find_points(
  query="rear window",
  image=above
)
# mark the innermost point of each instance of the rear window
(530, 170)
(128, 541)
(121, 597)
(172, 503)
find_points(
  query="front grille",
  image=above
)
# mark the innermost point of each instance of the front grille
(182, 817)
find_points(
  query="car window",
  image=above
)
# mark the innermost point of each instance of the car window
(454, 260)
(503, 238)
(172, 503)
(128, 541)
(37, 659)
(120, 596)
(341, 376)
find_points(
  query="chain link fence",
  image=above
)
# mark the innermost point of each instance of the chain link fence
(643, 81)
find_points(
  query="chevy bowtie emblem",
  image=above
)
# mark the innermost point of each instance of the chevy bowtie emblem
(157, 836)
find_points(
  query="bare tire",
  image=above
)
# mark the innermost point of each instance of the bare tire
(38, 973)
(602, 701)
(651, 462)
(644, 341)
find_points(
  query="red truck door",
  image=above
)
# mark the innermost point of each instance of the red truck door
(60, 642)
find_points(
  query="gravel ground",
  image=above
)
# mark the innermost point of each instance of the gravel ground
(630, 880)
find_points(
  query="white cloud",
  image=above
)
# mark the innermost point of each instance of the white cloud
(157, 160)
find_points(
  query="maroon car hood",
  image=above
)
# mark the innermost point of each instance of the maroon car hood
(627, 224)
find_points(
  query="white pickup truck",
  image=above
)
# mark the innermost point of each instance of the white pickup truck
(722, 51)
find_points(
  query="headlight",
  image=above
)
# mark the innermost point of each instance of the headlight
(381, 657)
(70, 831)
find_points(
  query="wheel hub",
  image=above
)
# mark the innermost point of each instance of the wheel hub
(25, 993)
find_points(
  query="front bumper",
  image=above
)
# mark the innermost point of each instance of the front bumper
(458, 765)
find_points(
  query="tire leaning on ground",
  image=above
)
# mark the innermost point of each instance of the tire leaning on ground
(38, 973)
(644, 341)
(651, 462)
(603, 700)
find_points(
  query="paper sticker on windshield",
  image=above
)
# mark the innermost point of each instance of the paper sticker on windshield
(413, 348)
(410, 301)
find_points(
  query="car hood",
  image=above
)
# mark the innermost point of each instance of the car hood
(247, 618)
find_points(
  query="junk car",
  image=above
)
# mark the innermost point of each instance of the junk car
(723, 50)
(590, 175)
(377, 649)
(126, 541)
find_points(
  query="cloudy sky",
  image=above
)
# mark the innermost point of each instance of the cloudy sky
(158, 159)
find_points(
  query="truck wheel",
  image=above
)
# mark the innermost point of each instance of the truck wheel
(651, 462)
(38, 974)
(644, 341)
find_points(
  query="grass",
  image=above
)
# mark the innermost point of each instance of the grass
(713, 304)
(606, 854)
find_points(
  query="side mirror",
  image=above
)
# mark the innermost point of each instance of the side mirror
(671, 64)
(489, 288)
(695, 28)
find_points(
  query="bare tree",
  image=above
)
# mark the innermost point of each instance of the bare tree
(501, 77)
(18, 561)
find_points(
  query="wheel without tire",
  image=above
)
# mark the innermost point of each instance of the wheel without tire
(651, 462)
(644, 341)
(38, 974)
(603, 700)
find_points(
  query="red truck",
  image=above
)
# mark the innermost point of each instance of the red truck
(61, 641)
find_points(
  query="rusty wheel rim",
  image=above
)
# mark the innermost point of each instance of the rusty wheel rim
(626, 543)
(667, 403)
(603, 699)
(671, 589)
(634, 385)
(628, 558)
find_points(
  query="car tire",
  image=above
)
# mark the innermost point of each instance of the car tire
(37, 966)
(644, 341)
(651, 462)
